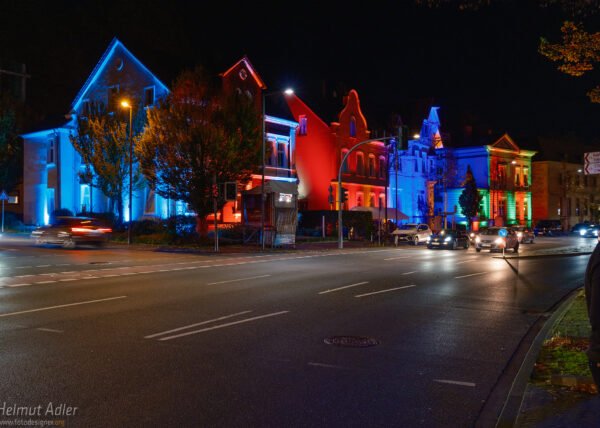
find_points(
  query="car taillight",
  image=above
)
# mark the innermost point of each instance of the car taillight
(79, 229)
(105, 230)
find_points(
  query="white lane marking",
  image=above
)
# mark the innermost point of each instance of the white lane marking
(385, 291)
(455, 382)
(329, 366)
(50, 330)
(23, 276)
(274, 314)
(43, 266)
(344, 287)
(23, 284)
(61, 306)
(236, 280)
(472, 274)
(196, 325)
(466, 261)
(408, 273)
(68, 279)
(109, 276)
(396, 258)
(44, 282)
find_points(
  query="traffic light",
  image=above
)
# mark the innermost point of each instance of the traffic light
(344, 195)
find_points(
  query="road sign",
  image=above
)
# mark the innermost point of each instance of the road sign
(3, 196)
(591, 163)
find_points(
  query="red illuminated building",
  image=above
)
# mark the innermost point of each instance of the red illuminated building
(320, 149)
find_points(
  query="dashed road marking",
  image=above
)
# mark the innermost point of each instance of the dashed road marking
(196, 324)
(472, 274)
(237, 280)
(385, 291)
(48, 308)
(344, 287)
(455, 382)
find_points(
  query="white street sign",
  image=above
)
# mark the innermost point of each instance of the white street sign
(591, 163)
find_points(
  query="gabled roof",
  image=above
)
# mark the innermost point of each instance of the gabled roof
(505, 143)
(104, 59)
(250, 68)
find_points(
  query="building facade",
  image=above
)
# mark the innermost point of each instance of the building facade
(321, 149)
(502, 172)
(563, 192)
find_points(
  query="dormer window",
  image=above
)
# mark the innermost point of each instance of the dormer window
(353, 126)
(302, 124)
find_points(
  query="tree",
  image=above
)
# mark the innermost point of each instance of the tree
(577, 53)
(196, 138)
(11, 148)
(103, 142)
(470, 198)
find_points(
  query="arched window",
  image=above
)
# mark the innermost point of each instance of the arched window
(371, 165)
(360, 163)
(352, 126)
(372, 199)
(345, 166)
(382, 199)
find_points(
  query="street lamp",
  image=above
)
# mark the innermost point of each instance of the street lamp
(263, 197)
(127, 104)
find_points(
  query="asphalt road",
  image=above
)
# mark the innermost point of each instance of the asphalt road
(142, 338)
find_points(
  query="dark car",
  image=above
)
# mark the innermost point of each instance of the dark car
(492, 239)
(576, 230)
(548, 228)
(448, 238)
(72, 231)
(591, 231)
(524, 234)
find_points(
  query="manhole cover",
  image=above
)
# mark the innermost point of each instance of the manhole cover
(352, 341)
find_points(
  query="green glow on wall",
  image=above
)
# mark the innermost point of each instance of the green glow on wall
(511, 211)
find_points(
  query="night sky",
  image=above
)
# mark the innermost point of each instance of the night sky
(481, 68)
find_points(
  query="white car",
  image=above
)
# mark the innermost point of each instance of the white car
(414, 233)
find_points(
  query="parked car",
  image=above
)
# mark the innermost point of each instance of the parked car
(548, 228)
(524, 234)
(414, 233)
(591, 231)
(492, 239)
(72, 231)
(473, 234)
(448, 238)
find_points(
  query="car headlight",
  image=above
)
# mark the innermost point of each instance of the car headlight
(448, 239)
(478, 239)
(582, 232)
(428, 239)
(596, 232)
(472, 234)
(499, 241)
(519, 234)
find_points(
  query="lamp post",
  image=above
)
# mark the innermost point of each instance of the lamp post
(127, 104)
(263, 196)
(340, 189)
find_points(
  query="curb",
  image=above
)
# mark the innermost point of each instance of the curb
(514, 401)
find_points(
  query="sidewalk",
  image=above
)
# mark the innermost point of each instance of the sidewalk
(560, 391)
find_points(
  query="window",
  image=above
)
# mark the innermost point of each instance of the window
(372, 199)
(371, 166)
(51, 150)
(577, 206)
(502, 207)
(149, 96)
(359, 199)
(345, 166)
(281, 155)
(525, 176)
(518, 176)
(382, 199)
(525, 209)
(381, 167)
(113, 95)
(502, 174)
(302, 124)
(270, 153)
(353, 126)
(360, 164)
